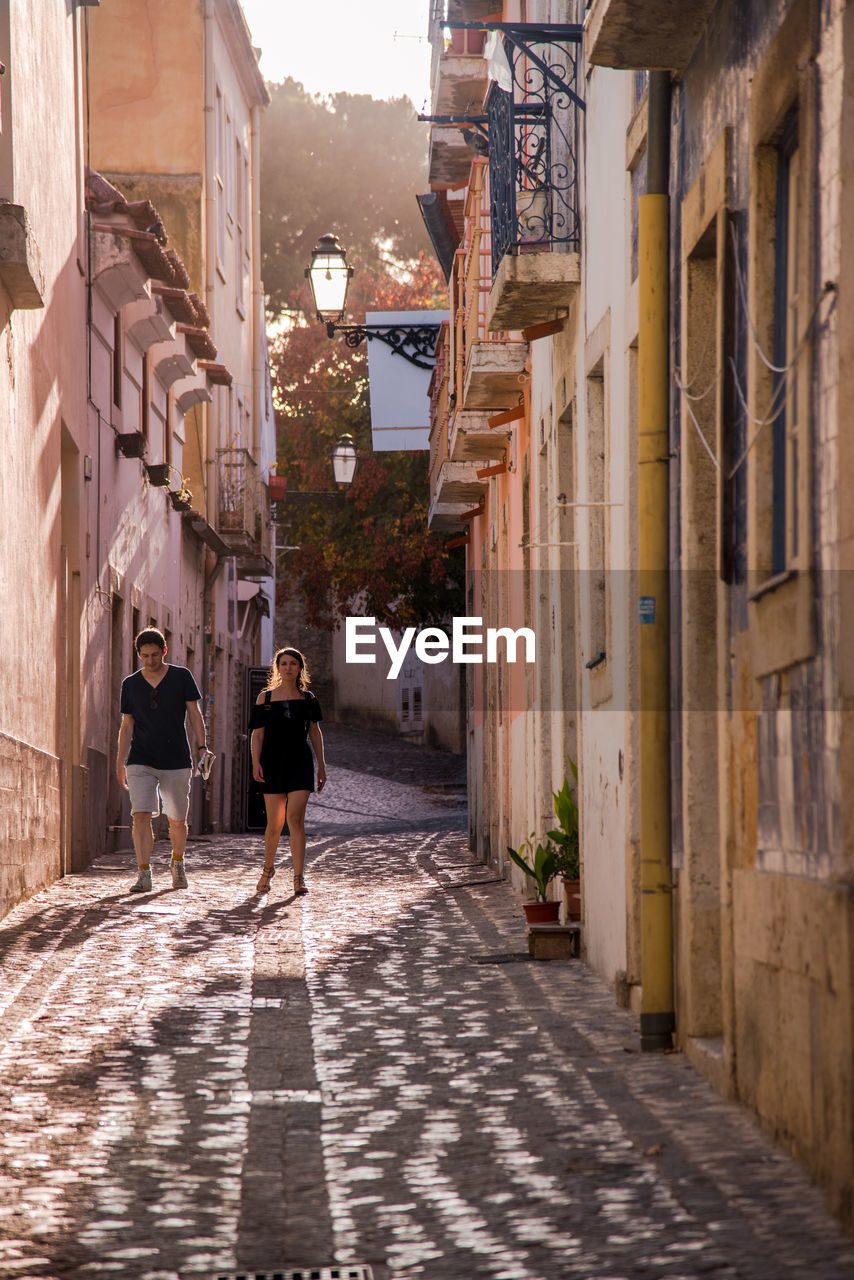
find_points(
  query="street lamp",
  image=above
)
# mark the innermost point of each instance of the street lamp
(329, 276)
(344, 461)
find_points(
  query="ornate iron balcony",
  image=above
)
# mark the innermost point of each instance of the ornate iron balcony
(533, 150)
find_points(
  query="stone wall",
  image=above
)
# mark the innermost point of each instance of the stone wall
(30, 820)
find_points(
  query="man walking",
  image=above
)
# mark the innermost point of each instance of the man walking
(154, 762)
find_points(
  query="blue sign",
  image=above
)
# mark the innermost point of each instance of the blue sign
(647, 610)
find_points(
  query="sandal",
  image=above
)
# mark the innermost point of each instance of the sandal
(263, 885)
(299, 886)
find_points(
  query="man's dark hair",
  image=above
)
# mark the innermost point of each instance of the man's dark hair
(150, 636)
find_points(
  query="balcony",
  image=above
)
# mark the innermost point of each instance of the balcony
(264, 537)
(458, 78)
(147, 322)
(489, 367)
(238, 500)
(21, 273)
(657, 35)
(116, 270)
(472, 439)
(454, 486)
(449, 159)
(459, 75)
(533, 179)
(455, 492)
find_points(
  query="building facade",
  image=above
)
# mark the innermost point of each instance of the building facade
(43, 412)
(175, 117)
(122, 505)
(653, 483)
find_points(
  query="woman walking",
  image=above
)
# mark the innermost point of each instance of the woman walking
(284, 720)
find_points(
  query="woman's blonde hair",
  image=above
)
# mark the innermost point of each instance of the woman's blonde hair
(275, 679)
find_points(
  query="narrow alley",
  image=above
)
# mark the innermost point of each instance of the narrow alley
(212, 1083)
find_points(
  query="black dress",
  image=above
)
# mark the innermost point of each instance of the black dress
(287, 761)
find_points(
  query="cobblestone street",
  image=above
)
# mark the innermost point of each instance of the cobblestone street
(207, 1082)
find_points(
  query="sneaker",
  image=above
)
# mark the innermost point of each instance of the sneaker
(143, 884)
(179, 875)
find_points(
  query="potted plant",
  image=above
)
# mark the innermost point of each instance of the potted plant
(181, 499)
(541, 869)
(567, 846)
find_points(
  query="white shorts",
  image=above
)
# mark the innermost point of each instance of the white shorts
(149, 787)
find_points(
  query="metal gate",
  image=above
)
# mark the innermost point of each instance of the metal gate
(254, 813)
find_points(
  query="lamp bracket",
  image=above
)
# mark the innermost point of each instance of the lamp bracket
(414, 342)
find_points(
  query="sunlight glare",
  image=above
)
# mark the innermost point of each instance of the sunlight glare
(379, 48)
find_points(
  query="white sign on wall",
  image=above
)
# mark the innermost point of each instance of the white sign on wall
(400, 406)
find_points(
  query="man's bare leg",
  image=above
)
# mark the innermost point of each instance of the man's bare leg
(178, 836)
(143, 839)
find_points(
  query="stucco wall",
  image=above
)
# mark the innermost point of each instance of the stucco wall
(42, 403)
(609, 308)
(365, 696)
(138, 113)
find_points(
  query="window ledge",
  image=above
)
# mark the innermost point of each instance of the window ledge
(781, 624)
(21, 271)
(771, 584)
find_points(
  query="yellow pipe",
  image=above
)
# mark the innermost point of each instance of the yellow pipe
(657, 1019)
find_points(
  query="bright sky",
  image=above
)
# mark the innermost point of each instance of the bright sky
(373, 46)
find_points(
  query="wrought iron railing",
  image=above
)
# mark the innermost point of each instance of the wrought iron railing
(439, 407)
(476, 276)
(237, 489)
(533, 152)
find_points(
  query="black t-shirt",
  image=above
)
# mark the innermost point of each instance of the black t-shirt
(285, 722)
(159, 732)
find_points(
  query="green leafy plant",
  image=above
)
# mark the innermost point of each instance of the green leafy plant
(566, 837)
(542, 867)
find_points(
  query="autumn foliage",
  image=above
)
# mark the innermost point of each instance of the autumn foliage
(366, 548)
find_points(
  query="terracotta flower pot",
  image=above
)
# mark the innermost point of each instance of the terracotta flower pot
(572, 899)
(542, 912)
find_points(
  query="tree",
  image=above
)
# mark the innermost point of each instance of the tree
(370, 542)
(349, 164)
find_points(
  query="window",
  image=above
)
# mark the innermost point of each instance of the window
(229, 174)
(118, 361)
(240, 432)
(168, 427)
(597, 604)
(776, 305)
(145, 398)
(593, 522)
(241, 230)
(786, 427)
(219, 180)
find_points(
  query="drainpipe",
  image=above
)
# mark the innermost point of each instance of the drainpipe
(210, 241)
(258, 304)
(657, 1020)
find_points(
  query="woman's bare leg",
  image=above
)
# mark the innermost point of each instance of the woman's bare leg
(276, 806)
(296, 803)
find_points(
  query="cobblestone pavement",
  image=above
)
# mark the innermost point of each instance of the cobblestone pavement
(205, 1082)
